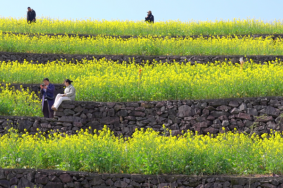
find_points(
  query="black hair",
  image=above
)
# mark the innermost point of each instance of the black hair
(46, 79)
(28, 7)
(69, 81)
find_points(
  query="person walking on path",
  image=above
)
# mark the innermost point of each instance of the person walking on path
(150, 17)
(47, 91)
(69, 95)
(31, 15)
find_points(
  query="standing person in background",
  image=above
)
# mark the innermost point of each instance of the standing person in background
(47, 91)
(150, 17)
(31, 15)
(69, 95)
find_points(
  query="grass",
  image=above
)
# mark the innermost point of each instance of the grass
(140, 28)
(140, 46)
(146, 152)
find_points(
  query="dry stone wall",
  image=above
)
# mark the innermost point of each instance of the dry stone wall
(273, 36)
(23, 178)
(44, 58)
(250, 115)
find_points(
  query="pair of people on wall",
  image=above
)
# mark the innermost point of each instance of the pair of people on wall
(49, 102)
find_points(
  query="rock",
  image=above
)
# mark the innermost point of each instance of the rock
(185, 111)
(233, 103)
(176, 132)
(67, 124)
(109, 120)
(120, 184)
(54, 185)
(66, 178)
(122, 113)
(109, 182)
(94, 125)
(25, 183)
(244, 116)
(223, 108)
(235, 111)
(66, 119)
(5, 183)
(219, 113)
(13, 181)
(210, 117)
(78, 109)
(218, 102)
(271, 125)
(269, 110)
(54, 179)
(147, 105)
(138, 114)
(42, 180)
(263, 118)
(268, 185)
(68, 112)
(24, 124)
(159, 104)
(252, 111)
(163, 185)
(210, 130)
(237, 186)
(89, 115)
(78, 124)
(69, 106)
(132, 104)
(225, 123)
(242, 107)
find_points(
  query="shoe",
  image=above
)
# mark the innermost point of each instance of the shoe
(53, 108)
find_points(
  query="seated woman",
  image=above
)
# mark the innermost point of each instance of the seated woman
(69, 95)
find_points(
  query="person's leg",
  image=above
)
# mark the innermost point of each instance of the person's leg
(45, 110)
(59, 101)
(56, 102)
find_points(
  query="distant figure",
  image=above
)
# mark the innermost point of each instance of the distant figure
(31, 15)
(69, 95)
(150, 17)
(47, 91)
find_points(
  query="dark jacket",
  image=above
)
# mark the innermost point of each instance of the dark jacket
(150, 18)
(49, 93)
(31, 15)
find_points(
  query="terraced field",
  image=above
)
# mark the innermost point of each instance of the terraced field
(120, 95)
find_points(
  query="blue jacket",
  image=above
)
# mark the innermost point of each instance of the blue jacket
(49, 93)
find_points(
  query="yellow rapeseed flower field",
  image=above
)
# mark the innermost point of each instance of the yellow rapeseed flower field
(146, 152)
(118, 27)
(140, 46)
(108, 81)
(102, 80)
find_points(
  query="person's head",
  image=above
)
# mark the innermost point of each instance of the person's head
(67, 82)
(46, 81)
(29, 9)
(149, 13)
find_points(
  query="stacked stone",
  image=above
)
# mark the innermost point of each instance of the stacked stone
(252, 115)
(23, 178)
(44, 58)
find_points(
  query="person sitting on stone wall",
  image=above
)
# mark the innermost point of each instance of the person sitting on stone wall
(69, 95)
(47, 91)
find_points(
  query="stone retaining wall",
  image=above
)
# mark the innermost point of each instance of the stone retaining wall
(274, 36)
(44, 58)
(251, 115)
(23, 178)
